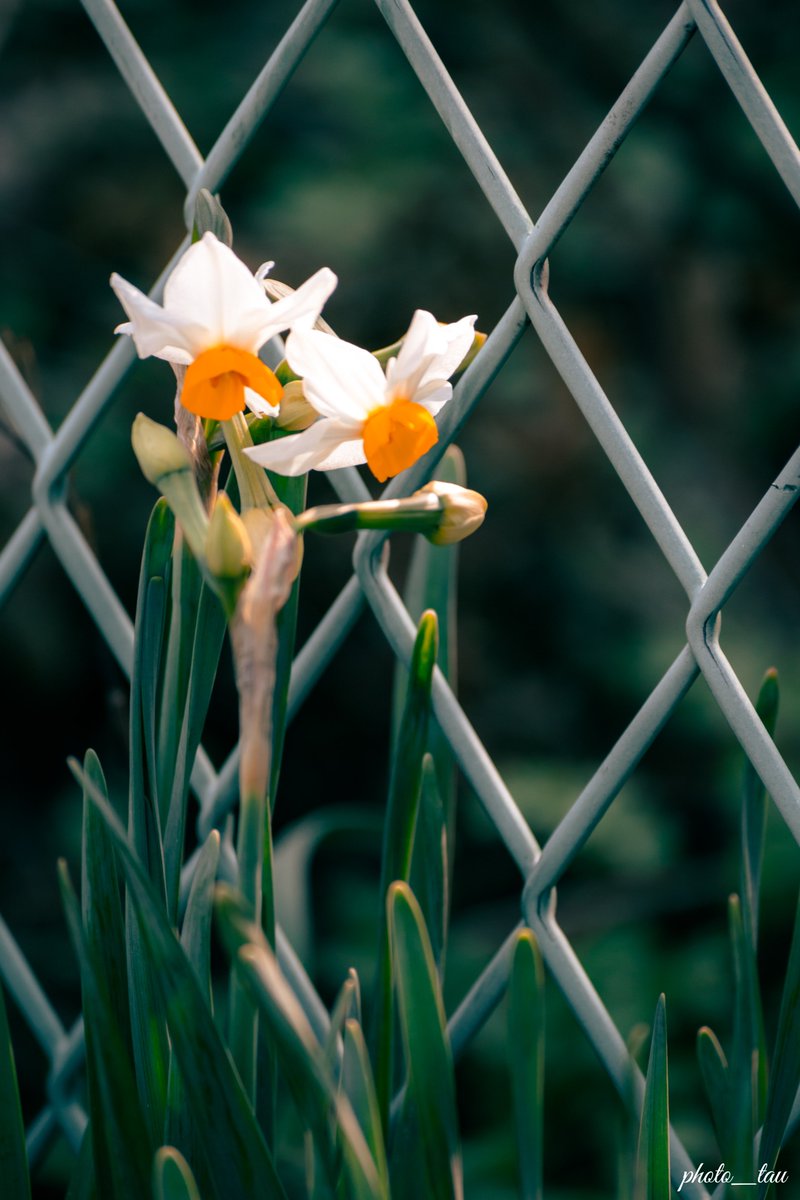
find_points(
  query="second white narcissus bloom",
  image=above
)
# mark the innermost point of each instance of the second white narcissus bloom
(386, 421)
(214, 320)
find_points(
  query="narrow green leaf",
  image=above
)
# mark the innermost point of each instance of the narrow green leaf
(753, 823)
(238, 1160)
(105, 937)
(185, 588)
(82, 1182)
(429, 1064)
(172, 1176)
(13, 1156)
(149, 1039)
(198, 631)
(299, 1053)
(406, 775)
(754, 809)
(432, 584)
(254, 859)
(121, 1143)
(430, 867)
(745, 1047)
(196, 931)
(346, 1005)
(526, 1057)
(359, 1087)
(652, 1165)
(181, 1129)
(398, 835)
(785, 1075)
(714, 1070)
(626, 1168)
(101, 898)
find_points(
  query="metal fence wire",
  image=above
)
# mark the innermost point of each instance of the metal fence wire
(540, 867)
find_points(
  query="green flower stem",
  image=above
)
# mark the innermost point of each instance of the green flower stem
(243, 1035)
(255, 489)
(415, 514)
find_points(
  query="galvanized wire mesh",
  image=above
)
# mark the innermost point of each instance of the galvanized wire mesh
(541, 868)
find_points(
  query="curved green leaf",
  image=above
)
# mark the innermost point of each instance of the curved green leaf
(82, 1182)
(785, 1075)
(747, 1054)
(754, 809)
(181, 1130)
(149, 1039)
(237, 1157)
(652, 1158)
(429, 1063)
(398, 834)
(172, 1177)
(122, 1146)
(359, 1087)
(13, 1156)
(526, 1057)
(299, 1053)
(714, 1070)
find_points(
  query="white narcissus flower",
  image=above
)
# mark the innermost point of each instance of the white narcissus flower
(214, 320)
(386, 420)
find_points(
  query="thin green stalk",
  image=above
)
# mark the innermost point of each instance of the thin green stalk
(255, 489)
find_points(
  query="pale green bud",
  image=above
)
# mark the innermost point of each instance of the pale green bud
(157, 449)
(166, 463)
(229, 553)
(295, 412)
(462, 512)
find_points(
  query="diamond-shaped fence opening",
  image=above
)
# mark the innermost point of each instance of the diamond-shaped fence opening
(531, 237)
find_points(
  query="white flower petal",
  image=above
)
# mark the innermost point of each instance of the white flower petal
(341, 381)
(325, 445)
(346, 454)
(422, 340)
(430, 352)
(154, 331)
(434, 396)
(302, 307)
(214, 290)
(258, 405)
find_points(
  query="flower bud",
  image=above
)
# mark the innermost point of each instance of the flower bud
(166, 463)
(228, 550)
(462, 512)
(158, 450)
(295, 412)
(229, 553)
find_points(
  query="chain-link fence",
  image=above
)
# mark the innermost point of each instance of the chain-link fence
(55, 453)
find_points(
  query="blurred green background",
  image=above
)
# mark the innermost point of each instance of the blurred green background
(678, 279)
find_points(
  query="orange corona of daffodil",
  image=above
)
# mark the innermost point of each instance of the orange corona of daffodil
(386, 421)
(214, 320)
